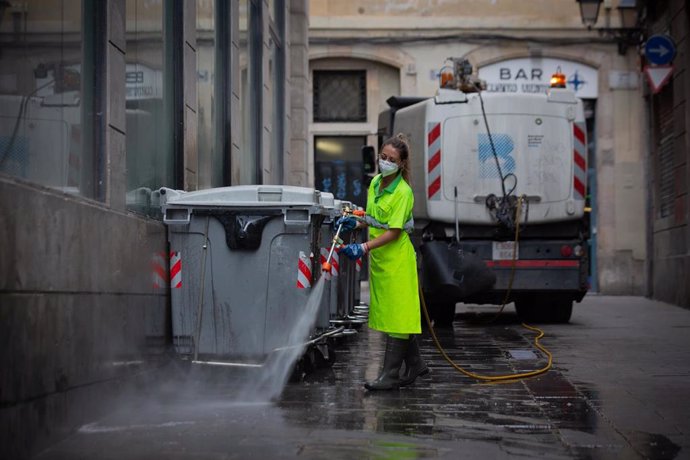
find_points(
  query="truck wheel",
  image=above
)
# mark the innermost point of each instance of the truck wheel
(528, 310)
(442, 313)
(560, 310)
(544, 310)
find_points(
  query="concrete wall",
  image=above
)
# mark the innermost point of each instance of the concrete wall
(417, 37)
(78, 314)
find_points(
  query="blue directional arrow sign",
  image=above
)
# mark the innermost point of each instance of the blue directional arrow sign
(660, 49)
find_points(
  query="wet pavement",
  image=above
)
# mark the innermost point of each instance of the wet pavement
(619, 388)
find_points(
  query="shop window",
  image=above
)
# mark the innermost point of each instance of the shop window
(150, 149)
(42, 95)
(340, 96)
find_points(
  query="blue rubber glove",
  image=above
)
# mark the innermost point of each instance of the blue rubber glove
(353, 251)
(349, 224)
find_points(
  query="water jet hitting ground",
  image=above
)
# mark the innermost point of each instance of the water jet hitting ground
(267, 382)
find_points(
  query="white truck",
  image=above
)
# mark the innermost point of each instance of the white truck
(490, 169)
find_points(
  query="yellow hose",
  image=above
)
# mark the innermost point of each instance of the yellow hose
(540, 333)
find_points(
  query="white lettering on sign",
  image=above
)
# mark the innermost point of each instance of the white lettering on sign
(532, 75)
(502, 87)
(534, 88)
(506, 73)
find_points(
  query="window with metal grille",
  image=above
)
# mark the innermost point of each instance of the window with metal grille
(665, 165)
(340, 95)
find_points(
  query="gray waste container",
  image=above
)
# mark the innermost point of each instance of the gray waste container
(325, 241)
(334, 276)
(247, 265)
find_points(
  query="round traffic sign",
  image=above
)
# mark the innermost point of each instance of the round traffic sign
(660, 49)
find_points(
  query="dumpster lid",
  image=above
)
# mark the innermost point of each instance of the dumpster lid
(327, 200)
(249, 196)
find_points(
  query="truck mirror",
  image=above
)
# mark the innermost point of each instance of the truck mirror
(368, 159)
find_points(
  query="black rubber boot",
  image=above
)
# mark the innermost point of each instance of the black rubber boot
(392, 362)
(414, 364)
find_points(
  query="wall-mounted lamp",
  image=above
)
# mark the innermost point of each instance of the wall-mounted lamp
(629, 31)
(589, 11)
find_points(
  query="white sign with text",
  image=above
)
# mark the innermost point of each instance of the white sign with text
(532, 75)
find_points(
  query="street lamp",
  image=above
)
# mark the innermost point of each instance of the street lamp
(628, 12)
(627, 34)
(589, 11)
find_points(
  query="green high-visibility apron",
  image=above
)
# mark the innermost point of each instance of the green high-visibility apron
(394, 296)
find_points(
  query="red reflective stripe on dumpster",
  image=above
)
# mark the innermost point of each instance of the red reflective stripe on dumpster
(303, 271)
(175, 270)
(335, 262)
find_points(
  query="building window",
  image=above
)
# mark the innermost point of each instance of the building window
(150, 149)
(42, 85)
(340, 96)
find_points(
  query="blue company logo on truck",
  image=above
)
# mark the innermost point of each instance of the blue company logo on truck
(487, 164)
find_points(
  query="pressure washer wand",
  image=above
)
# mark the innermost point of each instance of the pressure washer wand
(326, 266)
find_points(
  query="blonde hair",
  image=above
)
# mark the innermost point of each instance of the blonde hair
(401, 143)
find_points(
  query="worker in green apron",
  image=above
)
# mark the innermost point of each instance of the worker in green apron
(394, 296)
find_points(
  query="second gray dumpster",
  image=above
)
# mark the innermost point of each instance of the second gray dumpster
(246, 258)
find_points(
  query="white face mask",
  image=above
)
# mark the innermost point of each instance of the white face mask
(387, 167)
